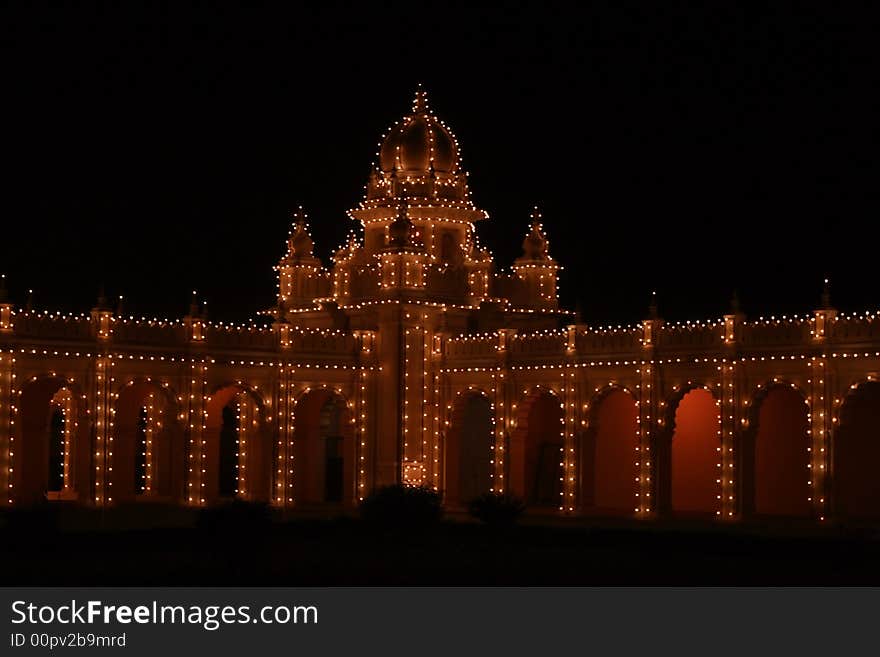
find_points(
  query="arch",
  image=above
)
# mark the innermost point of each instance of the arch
(238, 445)
(43, 399)
(470, 447)
(608, 453)
(775, 452)
(149, 453)
(688, 456)
(855, 453)
(535, 453)
(324, 448)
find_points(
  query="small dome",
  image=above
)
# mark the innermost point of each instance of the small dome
(418, 142)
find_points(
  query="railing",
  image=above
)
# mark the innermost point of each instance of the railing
(58, 327)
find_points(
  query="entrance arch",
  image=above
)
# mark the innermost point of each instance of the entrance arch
(608, 454)
(238, 447)
(52, 457)
(775, 456)
(855, 454)
(323, 449)
(535, 458)
(692, 454)
(149, 451)
(470, 448)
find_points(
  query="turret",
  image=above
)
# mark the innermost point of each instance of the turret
(536, 270)
(300, 279)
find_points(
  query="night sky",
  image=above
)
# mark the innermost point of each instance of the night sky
(692, 152)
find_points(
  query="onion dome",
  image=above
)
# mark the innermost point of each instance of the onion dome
(419, 143)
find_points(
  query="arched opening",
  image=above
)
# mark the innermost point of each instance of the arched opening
(780, 457)
(324, 449)
(449, 251)
(470, 443)
(608, 470)
(856, 452)
(536, 451)
(148, 446)
(694, 454)
(51, 460)
(237, 448)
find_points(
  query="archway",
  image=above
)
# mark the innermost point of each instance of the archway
(237, 446)
(469, 452)
(608, 470)
(856, 452)
(324, 449)
(52, 458)
(694, 458)
(535, 458)
(149, 450)
(775, 457)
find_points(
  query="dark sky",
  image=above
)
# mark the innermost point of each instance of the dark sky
(687, 151)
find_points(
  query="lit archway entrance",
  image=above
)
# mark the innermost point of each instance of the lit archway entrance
(856, 453)
(324, 449)
(148, 455)
(51, 460)
(535, 458)
(775, 456)
(608, 470)
(693, 471)
(238, 450)
(470, 448)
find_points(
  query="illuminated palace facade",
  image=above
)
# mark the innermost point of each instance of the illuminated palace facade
(412, 359)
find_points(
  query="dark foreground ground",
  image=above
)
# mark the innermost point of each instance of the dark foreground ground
(164, 546)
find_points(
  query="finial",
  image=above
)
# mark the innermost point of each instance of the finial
(4, 295)
(29, 306)
(734, 303)
(652, 307)
(536, 217)
(826, 294)
(194, 304)
(102, 298)
(299, 216)
(119, 306)
(420, 104)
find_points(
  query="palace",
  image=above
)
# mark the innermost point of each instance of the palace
(412, 359)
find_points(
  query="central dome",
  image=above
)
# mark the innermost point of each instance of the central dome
(419, 142)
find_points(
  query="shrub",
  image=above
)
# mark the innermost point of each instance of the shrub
(402, 506)
(236, 517)
(496, 509)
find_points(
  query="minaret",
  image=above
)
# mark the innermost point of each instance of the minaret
(299, 271)
(536, 270)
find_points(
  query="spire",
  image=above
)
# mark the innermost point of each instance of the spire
(735, 308)
(194, 304)
(119, 306)
(29, 305)
(826, 294)
(652, 307)
(300, 243)
(4, 295)
(535, 244)
(102, 299)
(536, 217)
(420, 103)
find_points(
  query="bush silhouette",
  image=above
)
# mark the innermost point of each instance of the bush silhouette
(496, 509)
(235, 517)
(402, 506)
